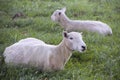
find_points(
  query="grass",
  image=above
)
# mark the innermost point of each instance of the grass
(101, 61)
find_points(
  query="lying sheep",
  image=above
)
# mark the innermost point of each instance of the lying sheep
(35, 53)
(80, 25)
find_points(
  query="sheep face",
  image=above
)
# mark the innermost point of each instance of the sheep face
(56, 14)
(74, 41)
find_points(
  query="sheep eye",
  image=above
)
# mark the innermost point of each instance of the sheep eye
(59, 13)
(71, 38)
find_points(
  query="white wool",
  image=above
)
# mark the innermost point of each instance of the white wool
(36, 53)
(80, 25)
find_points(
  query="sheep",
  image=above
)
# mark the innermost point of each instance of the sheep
(31, 52)
(60, 17)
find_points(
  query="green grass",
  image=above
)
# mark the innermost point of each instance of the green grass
(101, 61)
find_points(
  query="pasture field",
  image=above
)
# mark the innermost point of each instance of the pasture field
(101, 60)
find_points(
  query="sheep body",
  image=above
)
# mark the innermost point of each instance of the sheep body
(36, 53)
(93, 26)
(80, 25)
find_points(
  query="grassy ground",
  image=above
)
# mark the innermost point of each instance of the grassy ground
(101, 61)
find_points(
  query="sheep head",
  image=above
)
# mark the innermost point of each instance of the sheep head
(57, 14)
(74, 41)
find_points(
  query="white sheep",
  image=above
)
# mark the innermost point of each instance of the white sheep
(35, 53)
(80, 25)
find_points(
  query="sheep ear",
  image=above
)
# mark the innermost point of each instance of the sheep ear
(64, 9)
(65, 34)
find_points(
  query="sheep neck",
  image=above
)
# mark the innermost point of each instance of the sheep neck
(64, 21)
(64, 52)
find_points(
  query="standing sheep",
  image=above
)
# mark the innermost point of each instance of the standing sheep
(80, 25)
(36, 53)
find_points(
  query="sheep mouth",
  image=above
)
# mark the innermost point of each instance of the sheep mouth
(83, 50)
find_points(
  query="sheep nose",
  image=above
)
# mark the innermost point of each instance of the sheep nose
(83, 48)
